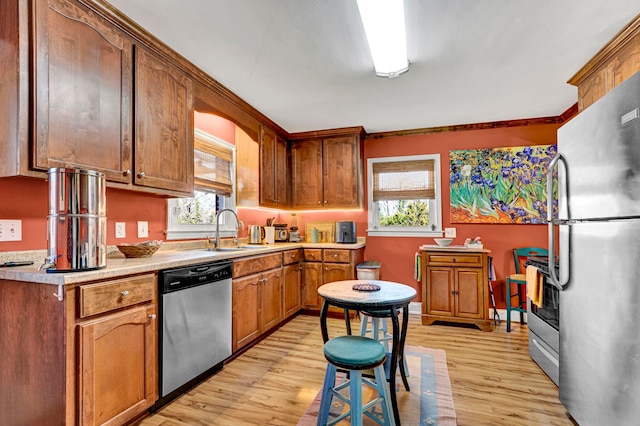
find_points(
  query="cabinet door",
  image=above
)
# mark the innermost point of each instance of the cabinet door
(312, 279)
(306, 174)
(268, 195)
(341, 172)
(470, 293)
(440, 292)
(282, 172)
(271, 299)
(246, 324)
(83, 83)
(273, 169)
(117, 366)
(164, 125)
(291, 289)
(337, 272)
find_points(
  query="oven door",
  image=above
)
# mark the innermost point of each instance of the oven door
(544, 336)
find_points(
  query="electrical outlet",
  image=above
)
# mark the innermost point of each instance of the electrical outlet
(143, 229)
(11, 230)
(449, 232)
(121, 230)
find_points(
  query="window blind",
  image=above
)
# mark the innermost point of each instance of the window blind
(403, 180)
(212, 166)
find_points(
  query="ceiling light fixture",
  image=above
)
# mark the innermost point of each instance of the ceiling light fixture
(383, 22)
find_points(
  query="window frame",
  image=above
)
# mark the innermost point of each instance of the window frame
(435, 206)
(178, 231)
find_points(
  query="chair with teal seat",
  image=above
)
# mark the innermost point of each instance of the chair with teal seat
(355, 354)
(520, 256)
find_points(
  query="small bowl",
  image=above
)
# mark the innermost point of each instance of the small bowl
(443, 242)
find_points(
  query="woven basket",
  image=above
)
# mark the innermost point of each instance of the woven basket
(138, 250)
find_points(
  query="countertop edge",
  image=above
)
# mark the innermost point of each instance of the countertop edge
(118, 265)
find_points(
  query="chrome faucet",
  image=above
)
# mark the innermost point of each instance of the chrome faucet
(238, 224)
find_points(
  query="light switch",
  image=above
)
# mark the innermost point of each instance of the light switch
(449, 232)
(143, 229)
(11, 230)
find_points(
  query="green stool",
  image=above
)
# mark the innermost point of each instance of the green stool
(519, 279)
(355, 354)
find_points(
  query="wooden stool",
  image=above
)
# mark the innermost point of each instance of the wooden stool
(355, 354)
(380, 331)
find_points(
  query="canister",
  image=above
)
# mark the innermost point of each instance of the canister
(77, 222)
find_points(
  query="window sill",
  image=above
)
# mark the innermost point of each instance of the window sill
(398, 233)
(192, 234)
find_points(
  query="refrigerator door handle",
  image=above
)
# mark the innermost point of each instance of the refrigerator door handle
(564, 264)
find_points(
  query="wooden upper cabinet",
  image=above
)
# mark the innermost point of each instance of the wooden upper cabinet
(613, 64)
(327, 173)
(274, 168)
(82, 94)
(306, 174)
(341, 172)
(163, 124)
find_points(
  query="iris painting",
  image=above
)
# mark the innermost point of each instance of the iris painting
(500, 185)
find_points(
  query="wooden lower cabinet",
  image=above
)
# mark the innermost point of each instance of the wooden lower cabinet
(117, 361)
(257, 306)
(291, 297)
(455, 288)
(323, 266)
(90, 359)
(312, 277)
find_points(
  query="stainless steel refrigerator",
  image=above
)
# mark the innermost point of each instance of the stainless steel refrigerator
(598, 170)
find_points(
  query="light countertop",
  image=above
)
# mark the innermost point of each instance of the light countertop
(170, 255)
(454, 248)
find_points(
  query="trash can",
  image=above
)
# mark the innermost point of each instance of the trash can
(369, 270)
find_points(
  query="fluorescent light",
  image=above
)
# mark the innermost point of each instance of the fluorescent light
(383, 22)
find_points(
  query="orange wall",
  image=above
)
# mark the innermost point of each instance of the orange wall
(397, 254)
(26, 199)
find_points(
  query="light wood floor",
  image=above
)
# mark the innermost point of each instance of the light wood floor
(494, 381)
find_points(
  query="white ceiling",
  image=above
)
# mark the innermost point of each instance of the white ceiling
(305, 64)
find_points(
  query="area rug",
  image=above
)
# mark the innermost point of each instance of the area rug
(429, 402)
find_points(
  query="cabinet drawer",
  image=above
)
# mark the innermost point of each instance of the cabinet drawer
(251, 265)
(337, 256)
(109, 295)
(291, 256)
(312, 255)
(454, 259)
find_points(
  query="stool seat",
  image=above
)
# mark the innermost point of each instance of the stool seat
(354, 352)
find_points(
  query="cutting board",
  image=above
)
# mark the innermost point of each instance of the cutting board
(326, 231)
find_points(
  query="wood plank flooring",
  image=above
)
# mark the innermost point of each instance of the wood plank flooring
(494, 381)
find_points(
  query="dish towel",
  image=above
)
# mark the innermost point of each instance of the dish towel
(535, 285)
(417, 272)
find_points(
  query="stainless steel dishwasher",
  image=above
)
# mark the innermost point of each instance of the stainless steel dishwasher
(195, 313)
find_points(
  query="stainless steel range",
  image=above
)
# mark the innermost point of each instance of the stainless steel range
(544, 324)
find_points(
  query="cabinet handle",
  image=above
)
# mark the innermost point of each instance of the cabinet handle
(126, 173)
(124, 293)
(335, 255)
(326, 269)
(141, 174)
(319, 202)
(325, 201)
(152, 317)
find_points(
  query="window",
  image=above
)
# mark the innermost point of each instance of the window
(214, 181)
(404, 196)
